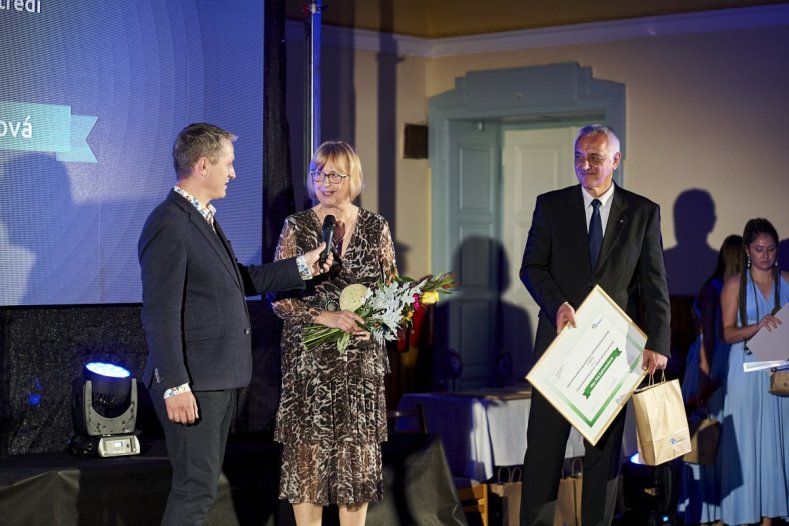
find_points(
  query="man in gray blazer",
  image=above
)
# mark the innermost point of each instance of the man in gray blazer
(195, 317)
(595, 233)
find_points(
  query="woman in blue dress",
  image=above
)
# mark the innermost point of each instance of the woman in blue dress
(702, 386)
(755, 432)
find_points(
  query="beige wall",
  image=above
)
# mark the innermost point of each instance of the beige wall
(410, 221)
(704, 111)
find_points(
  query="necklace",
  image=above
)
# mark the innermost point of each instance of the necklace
(344, 226)
(346, 217)
(346, 229)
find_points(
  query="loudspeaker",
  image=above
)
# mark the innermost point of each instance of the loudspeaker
(415, 141)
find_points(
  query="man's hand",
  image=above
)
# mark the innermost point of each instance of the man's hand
(653, 361)
(182, 408)
(313, 256)
(565, 315)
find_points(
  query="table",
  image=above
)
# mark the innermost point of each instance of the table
(481, 429)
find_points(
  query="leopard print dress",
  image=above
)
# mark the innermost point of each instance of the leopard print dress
(332, 413)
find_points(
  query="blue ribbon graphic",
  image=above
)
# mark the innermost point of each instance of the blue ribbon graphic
(27, 126)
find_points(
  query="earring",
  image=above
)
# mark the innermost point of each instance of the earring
(748, 265)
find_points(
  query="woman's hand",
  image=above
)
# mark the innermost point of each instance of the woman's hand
(344, 320)
(769, 321)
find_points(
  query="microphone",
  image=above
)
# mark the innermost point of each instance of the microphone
(328, 234)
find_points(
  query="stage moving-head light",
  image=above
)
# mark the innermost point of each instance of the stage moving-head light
(650, 493)
(104, 412)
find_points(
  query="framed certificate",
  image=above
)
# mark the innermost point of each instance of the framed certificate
(590, 370)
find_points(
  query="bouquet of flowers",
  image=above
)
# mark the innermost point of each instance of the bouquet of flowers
(386, 307)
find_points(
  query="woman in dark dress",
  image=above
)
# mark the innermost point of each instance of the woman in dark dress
(332, 415)
(702, 386)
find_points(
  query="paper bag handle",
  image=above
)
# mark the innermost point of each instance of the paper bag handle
(513, 474)
(651, 381)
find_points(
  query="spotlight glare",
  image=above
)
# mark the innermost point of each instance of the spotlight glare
(108, 369)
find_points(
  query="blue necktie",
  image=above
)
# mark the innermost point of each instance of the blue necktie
(595, 233)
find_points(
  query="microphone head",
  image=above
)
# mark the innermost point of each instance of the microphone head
(328, 234)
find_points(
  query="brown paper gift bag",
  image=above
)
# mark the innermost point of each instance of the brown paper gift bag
(779, 383)
(661, 422)
(505, 497)
(568, 501)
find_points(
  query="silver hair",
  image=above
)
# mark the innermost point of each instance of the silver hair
(601, 129)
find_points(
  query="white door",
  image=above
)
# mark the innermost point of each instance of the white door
(534, 162)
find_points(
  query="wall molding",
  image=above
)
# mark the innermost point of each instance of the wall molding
(677, 24)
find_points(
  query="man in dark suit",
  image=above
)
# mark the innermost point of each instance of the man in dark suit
(195, 317)
(591, 234)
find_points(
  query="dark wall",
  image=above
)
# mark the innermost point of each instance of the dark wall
(41, 351)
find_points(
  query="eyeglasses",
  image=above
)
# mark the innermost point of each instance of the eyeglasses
(334, 177)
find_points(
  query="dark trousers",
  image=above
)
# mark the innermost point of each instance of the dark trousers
(546, 442)
(196, 453)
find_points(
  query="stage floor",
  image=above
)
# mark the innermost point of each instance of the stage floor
(62, 489)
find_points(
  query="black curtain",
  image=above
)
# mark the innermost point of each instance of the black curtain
(258, 403)
(278, 199)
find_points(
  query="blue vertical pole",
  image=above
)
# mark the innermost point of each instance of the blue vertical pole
(312, 80)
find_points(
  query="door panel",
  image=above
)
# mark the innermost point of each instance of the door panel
(496, 175)
(475, 162)
(535, 162)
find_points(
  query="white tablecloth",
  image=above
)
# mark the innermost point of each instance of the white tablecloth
(480, 432)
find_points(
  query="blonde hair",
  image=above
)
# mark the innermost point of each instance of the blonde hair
(344, 159)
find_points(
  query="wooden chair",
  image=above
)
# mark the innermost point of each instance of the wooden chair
(474, 499)
(417, 412)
